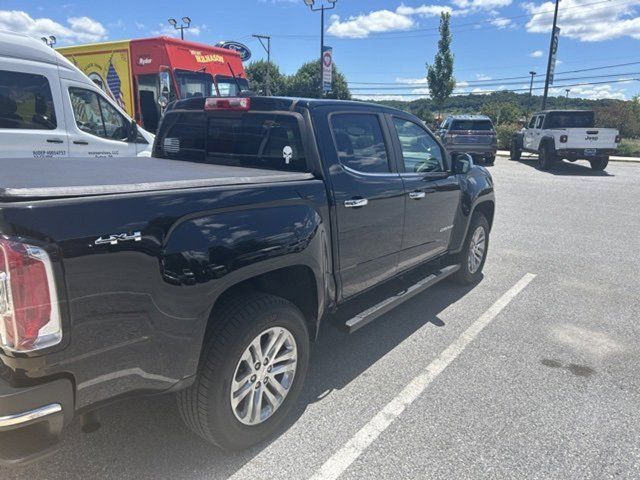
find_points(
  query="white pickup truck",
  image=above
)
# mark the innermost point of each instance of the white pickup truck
(566, 134)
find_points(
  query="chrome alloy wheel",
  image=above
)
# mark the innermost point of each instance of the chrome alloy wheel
(477, 247)
(264, 376)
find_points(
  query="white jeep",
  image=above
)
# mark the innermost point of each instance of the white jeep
(566, 134)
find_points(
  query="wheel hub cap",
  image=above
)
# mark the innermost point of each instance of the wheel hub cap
(258, 390)
(477, 247)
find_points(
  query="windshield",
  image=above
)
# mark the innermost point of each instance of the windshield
(570, 120)
(483, 125)
(256, 140)
(195, 84)
(228, 87)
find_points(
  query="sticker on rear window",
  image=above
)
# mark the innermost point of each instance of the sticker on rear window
(287, 154)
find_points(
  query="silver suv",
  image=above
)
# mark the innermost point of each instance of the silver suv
(472, 134)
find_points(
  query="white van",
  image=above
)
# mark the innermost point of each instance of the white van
(49, 108)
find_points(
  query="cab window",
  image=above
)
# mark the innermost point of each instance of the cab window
(26, 102)
(532, 122)
(539, 121)
(420, 151)
(95, 115)
(359, 142)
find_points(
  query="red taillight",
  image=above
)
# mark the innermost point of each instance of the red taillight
(564, 138)
(29, 315)
(618, 138)
(227, 104)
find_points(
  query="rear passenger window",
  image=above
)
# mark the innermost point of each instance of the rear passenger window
(539, 121)
(26, 102)
(359, 142)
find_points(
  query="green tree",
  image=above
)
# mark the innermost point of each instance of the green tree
(620, 115)
(257, 76)
(440, 75)
(306, 83)
(502, 112)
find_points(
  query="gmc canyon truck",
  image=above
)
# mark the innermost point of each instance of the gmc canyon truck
(566, 134)
(208, 271)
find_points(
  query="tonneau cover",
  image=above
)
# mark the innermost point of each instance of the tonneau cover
(35, 178)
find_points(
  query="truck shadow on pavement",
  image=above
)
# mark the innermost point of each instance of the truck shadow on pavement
(145, 437)
(564, 168)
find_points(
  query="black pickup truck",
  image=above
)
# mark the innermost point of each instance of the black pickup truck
(208, 271)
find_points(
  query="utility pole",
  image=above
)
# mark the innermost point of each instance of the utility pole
(322, 8)
(552, 47)
(267, 48)
(567, 90)
(533, 74)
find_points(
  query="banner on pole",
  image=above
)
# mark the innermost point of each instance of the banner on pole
(554, 52)
(327, 69)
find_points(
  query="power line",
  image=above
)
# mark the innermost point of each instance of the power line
(493, 80)
(497, 83)
(412, 33)
(483, 92)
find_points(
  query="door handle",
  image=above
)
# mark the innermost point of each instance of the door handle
(417, 195)
(356, 202)
(54, 140)
(80, 142)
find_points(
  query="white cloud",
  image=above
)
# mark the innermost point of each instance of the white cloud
(481, 4)
(366, 96)
(412, 81)
(482, 76)
(501, 22)
(170, 31)
(423, 10)
(586, 23)
(140, 26)
(373, 22)
(379, 21)
(79, 29)
(536, 54)
(592, 92)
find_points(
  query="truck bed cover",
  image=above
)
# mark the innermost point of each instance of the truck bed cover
(34, 178)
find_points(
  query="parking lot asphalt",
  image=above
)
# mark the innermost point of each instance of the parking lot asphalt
(548, 388)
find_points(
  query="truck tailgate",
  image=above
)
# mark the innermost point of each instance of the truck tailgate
(584, 138)
(35, 178)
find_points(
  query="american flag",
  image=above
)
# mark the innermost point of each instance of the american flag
(113, 80)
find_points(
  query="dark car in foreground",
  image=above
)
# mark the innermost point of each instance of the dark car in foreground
(472, 134)
(208, 271)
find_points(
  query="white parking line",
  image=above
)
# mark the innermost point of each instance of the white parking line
(349, 453)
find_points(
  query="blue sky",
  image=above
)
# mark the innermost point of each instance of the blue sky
(385, 42)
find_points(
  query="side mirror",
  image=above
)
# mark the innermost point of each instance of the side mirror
(163, 101)
(462, 162)
(133, 131)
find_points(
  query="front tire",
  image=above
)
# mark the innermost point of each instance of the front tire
(474, 251)
(599, 164)
(240, 395)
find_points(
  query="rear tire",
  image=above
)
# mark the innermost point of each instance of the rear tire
(546, 156)
(206, 407)
(490, 161)
(474, 251)
(599, 164)
(515, 152)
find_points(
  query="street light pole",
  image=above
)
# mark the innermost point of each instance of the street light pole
(567, 90)
(321, 9)
(533, 74)
(268, 50)
(186, 23)
(553, 34)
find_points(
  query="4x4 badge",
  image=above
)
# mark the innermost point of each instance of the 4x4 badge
(119, 237)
